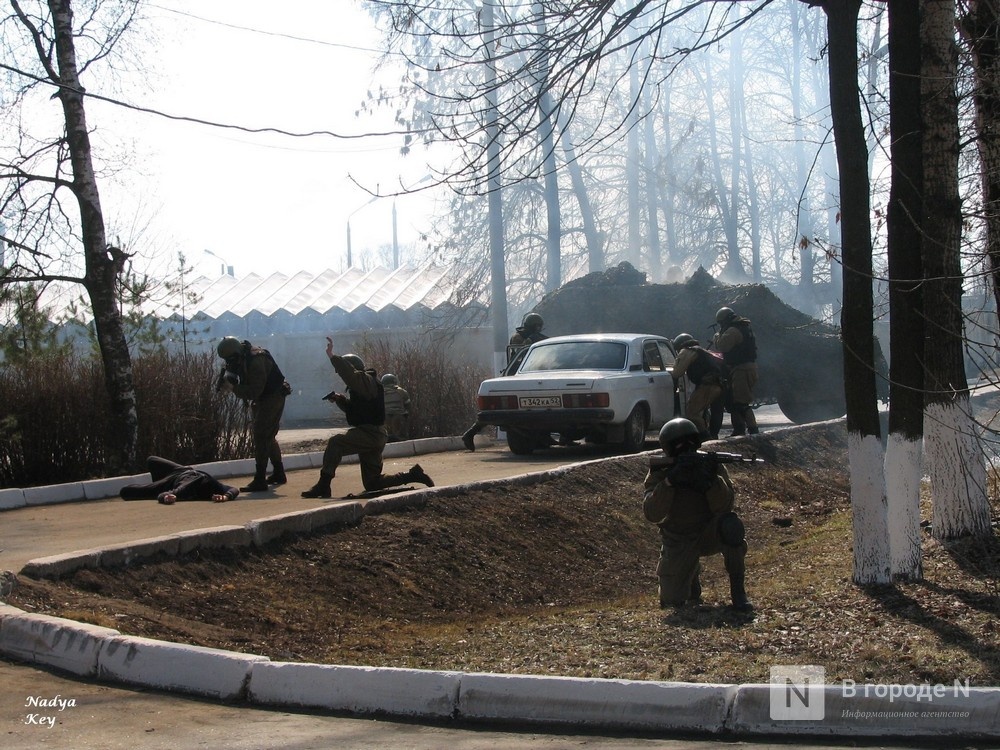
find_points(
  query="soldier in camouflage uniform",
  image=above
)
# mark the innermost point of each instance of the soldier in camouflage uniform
(252, 374)
(364, 407)
(690, 497)
(736, 342)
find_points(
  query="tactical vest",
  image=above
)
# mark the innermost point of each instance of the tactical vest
(275, 379)
(746, 350)
(360, 410)
(705, 365)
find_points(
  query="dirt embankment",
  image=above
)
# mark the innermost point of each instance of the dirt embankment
(559, 578)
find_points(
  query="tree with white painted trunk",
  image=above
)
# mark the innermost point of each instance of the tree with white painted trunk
(904, 448)
(868, 493)
(956, 463)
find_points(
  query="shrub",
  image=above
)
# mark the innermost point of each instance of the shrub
(442, 391)
(54, 426)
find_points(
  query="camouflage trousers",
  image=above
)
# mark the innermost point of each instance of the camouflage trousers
(680, 563)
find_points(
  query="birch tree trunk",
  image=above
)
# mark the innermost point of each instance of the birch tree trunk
(103, 263)
(868, 500)
(956, 465)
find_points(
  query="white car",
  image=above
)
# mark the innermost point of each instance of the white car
(602, 387)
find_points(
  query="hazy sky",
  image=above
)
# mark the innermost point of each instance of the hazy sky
(263, 202)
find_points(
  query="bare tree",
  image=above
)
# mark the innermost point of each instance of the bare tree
(868, 499)
(957, 468)
(51, 235)
(903, 459)
(981, 28)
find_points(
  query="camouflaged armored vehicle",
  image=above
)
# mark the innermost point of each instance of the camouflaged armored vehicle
(800, 359)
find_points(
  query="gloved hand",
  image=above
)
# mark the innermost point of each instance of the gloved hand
(695, 471)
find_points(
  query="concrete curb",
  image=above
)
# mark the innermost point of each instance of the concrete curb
(101, 489)
(356, 690)
(734, 711)
(169, 666)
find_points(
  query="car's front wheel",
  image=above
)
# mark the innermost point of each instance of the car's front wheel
(635, 431)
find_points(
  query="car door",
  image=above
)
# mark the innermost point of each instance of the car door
(660, 380)
(679, 407)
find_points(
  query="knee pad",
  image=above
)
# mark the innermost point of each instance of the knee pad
(732, 532)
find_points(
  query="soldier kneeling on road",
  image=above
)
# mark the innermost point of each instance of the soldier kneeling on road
(689, 495)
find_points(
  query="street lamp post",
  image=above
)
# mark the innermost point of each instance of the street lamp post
(351, 216)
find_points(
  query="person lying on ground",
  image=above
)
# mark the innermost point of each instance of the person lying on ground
(172, 482)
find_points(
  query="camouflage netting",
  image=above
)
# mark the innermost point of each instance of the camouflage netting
(799, 358)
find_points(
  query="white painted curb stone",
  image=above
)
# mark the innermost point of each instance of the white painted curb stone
(360, 690)
(54, 493)
(630, 704)
(842, 715)
(12, 498)
(41, 639)
(170, 666)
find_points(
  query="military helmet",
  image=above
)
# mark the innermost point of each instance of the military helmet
(684, 340)
(532, 322)
(230, 346)
(678, 434)
(390, 379)
(724, 315)
(356, 362)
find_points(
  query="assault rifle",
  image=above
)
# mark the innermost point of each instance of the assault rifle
(659, 460)
(697, 469)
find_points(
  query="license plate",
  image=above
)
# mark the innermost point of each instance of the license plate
(539, 402)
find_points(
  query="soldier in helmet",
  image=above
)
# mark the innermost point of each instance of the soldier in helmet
(252, 374)
(524, 336)
(707, 372)
(364, 407)
(690, 497)
(397, 407)
(736, 342)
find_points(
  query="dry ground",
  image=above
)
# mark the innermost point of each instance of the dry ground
(558, 578)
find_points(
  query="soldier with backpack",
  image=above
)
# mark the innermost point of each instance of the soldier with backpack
(736, 342)
(708, 373)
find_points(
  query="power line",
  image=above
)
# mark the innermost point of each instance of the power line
(212, 123)
(263, 32)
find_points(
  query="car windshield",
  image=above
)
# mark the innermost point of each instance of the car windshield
(576, 355)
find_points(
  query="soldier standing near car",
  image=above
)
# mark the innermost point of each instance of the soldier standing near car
(529, 332)
(252, 374)
(364, 407)
(690, 497)
(707, 372)
(736, 342)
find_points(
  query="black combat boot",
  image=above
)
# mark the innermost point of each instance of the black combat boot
(259, 484)
(467, 438)
(695, 596)
(738, 593)
(416, 474)
(278, 475)
(321, 489)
